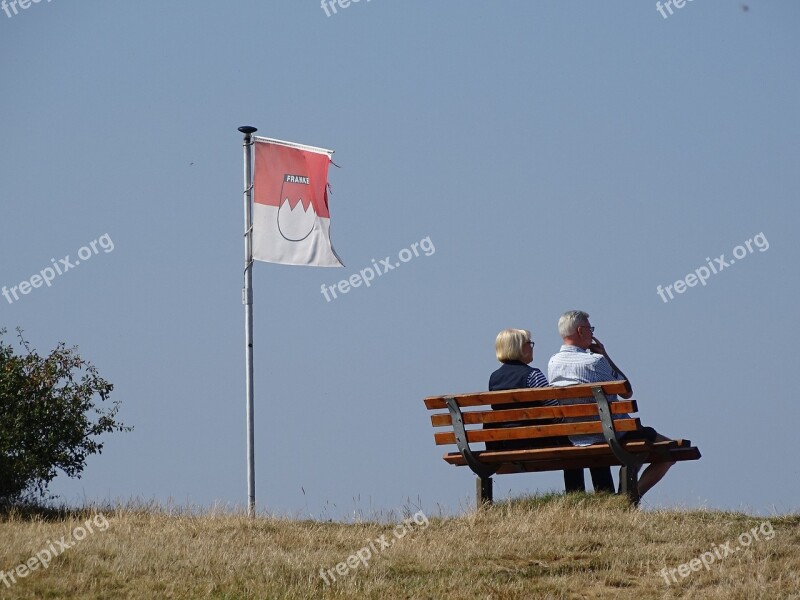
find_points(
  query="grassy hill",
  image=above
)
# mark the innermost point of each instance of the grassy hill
(576, 546)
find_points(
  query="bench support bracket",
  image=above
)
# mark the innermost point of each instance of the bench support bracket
(629, 473)
(482, 470)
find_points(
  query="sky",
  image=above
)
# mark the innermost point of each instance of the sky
(554, 155)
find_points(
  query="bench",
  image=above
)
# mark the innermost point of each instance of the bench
(514, 423)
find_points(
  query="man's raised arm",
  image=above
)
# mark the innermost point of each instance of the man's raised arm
(598, 348)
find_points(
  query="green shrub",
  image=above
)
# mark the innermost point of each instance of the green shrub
(49, 419)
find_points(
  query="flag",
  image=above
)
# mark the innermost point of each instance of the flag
(291, 222)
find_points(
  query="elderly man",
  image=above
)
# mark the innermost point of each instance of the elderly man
(583, 359)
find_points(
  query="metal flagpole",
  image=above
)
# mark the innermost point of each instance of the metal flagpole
(247, 300)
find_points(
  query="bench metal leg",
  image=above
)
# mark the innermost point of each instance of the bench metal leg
(483, 491)
(629, 483)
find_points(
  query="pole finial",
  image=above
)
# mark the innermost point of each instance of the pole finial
(247, 129)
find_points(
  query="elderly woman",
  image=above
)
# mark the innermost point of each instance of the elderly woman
(514, 349)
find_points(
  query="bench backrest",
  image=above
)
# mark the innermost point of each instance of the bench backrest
(506, 421)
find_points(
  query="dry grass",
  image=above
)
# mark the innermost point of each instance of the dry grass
(544, 547)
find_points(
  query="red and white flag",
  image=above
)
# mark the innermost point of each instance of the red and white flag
(291, 222)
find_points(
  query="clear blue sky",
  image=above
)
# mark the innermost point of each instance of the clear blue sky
(558, 155)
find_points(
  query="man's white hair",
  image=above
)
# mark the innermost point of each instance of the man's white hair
(570, 321)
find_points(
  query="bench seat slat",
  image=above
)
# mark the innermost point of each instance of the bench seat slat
(604, 460)
(535, 431)
(561, 452)
(522, 414)
(525, 395)
(550, 459)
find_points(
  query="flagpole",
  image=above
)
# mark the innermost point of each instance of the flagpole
(247, 300)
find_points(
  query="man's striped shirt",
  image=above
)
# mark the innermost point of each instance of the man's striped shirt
(573, 365)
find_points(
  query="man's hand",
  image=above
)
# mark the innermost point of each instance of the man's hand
(597, 347)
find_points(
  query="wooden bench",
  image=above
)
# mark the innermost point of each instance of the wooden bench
(522, 424)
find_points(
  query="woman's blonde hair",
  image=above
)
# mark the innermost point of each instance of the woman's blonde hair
(510, 344)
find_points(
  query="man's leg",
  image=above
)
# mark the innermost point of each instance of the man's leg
(602, 480)
(573, 481)
(654, 471)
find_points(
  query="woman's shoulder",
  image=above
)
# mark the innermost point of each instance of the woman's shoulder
(537, 379)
